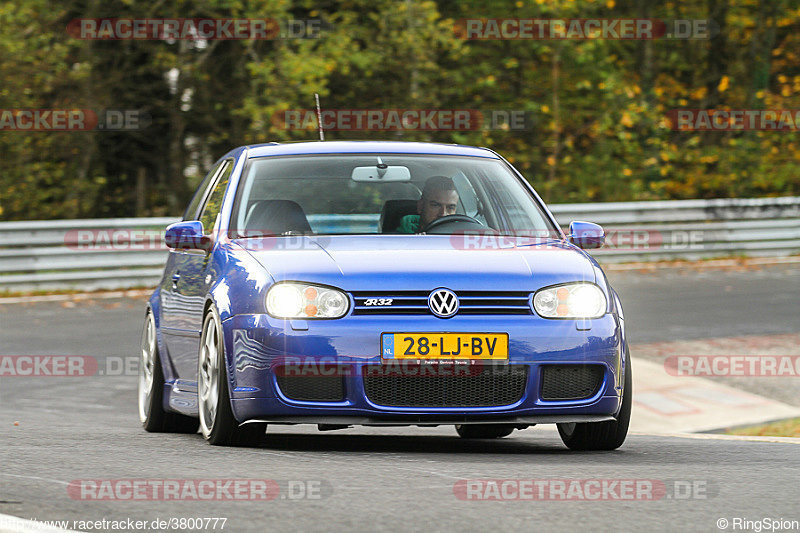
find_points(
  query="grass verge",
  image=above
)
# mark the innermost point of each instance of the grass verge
(781, 428)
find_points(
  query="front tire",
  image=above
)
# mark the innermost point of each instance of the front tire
(217, 423)
(602, 435)
(484, 431)
(152, 415)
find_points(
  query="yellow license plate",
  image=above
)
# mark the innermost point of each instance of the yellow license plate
(444, 346)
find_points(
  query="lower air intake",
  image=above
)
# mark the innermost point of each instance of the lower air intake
(489, 386)
(312, 388)
(571, 382)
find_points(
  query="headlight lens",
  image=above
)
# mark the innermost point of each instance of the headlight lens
(574, 300)
(304, 300)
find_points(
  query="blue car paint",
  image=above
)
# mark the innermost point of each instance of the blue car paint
(239, 272)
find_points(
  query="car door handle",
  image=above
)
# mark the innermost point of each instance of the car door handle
(175, 277)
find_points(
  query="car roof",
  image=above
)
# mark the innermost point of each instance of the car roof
(366, 147)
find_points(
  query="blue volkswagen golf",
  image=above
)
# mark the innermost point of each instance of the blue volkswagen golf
(381, 284)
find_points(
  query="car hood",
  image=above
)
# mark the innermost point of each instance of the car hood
(415, 262)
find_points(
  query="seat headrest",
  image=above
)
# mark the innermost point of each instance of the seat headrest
(276, 217)
(393, 211)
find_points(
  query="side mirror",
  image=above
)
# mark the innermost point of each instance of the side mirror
(586, 235)
(187, 236)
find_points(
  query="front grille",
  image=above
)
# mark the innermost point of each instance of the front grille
(311, 388)
(416, 303)
(571, 382)
(484, 386)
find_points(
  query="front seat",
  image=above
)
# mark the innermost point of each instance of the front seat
(393, 211)
(276, 217)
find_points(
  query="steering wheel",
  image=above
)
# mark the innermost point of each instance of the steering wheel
(447, 219)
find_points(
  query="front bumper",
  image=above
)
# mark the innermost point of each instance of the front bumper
(256, 344)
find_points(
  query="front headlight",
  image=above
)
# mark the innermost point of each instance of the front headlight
(304, 300)
(572, 300)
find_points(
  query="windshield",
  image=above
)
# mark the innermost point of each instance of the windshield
(323, 195)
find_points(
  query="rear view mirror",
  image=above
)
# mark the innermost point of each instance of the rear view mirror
(381, 172)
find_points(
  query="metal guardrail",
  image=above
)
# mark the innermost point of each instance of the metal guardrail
(129, 252)
(691, 229)
(105, 253)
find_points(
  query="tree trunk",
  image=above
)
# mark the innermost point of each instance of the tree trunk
(717, 61)
(556, 74)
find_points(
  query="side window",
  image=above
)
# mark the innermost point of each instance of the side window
(211, 210)
(201, 193)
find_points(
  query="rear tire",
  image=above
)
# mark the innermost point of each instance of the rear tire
(152, 415)
(602, 435)
(484, 431)
(217, 423)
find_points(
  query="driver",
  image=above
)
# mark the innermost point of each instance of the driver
(439, 199)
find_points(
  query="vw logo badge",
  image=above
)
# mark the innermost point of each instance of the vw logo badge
(443, 303)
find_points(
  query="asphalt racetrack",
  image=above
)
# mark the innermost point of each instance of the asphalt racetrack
(57, 432)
